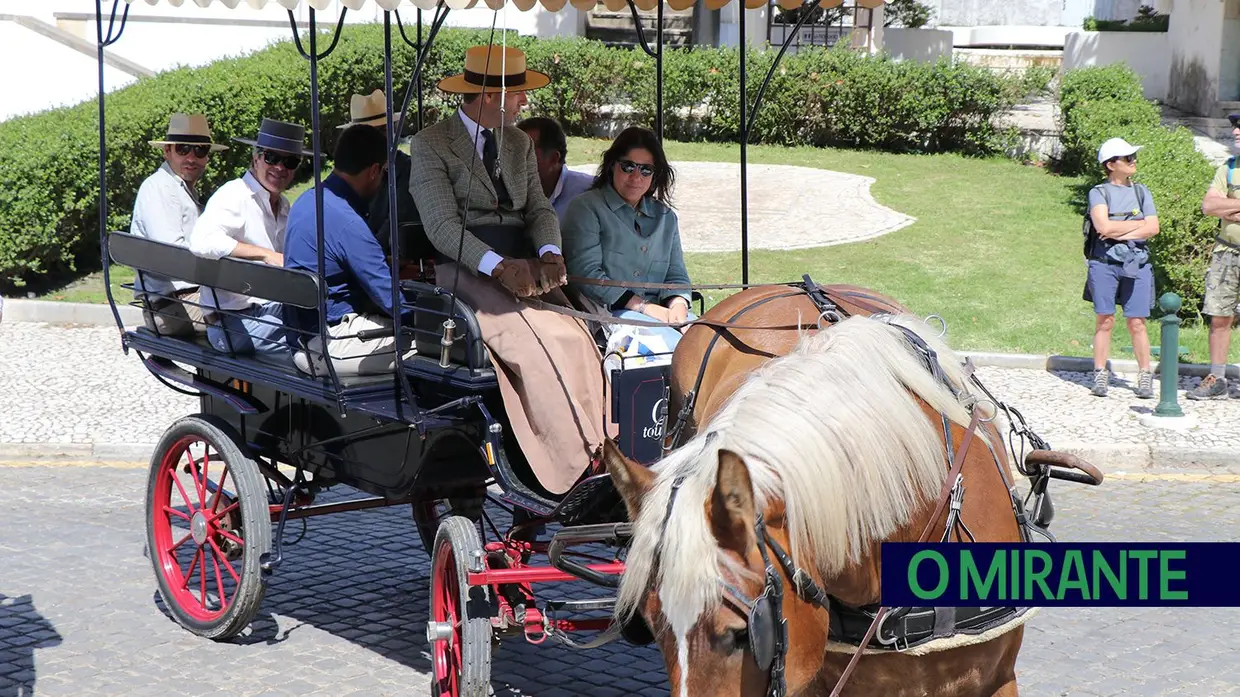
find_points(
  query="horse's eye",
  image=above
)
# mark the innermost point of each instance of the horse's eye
(738, 639)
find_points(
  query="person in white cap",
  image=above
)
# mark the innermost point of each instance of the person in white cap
(1223, 274)
(166, 208)
(1123, 220)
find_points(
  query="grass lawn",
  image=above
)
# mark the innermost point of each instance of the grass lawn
(995, 249)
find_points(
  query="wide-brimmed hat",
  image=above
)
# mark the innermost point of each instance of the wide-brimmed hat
(1116, 147)
(280, 137)
(370, 110)
(188, 129)
(493, 68)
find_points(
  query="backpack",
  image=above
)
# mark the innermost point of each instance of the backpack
(1090, 233)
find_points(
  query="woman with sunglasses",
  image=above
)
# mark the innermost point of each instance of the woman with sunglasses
(623, 230)
(1117, 255)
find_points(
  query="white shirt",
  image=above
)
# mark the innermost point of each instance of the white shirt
(165, 211)
(490, 259)
(240, 211)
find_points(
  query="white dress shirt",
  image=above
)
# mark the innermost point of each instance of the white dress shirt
(490, 260)
(165, 210)
(240, 211)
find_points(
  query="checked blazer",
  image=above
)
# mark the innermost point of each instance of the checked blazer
(444, 157)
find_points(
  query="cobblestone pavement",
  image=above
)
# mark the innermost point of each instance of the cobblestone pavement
(781, 216)
(79, 613)
(75, 386)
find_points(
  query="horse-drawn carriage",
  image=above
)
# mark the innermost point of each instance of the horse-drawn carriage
(433, 435)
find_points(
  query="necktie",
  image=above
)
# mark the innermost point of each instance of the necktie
(490, 160)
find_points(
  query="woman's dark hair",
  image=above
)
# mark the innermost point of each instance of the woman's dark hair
(630, 139)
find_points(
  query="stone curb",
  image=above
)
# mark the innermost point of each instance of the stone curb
(1078, 364)
(81, 452)
(51, 312)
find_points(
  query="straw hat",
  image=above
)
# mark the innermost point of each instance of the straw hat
(493, 68)
(369, 109)
(190, 129)
(280, 137)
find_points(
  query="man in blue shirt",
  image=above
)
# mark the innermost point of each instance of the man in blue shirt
(559, 183)
(358, 279)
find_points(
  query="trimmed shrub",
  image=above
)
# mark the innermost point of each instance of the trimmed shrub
(48, 162)
(1102, 103)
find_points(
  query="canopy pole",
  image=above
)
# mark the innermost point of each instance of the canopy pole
(102, 41)
(393, 140)
(658, 74)
(418, 51)
(744, 46)
(315, 143)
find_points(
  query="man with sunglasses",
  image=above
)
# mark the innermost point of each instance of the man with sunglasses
(1222, 201)
(246, 219)
(166, 208)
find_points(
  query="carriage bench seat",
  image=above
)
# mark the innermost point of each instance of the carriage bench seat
(469, 368)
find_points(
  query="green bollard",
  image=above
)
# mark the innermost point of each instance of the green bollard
(1168, 359)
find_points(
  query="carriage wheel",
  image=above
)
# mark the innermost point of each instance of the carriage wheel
(207, 527)
(459, 629)
(429, 513)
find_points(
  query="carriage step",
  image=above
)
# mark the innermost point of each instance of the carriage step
(592, 605)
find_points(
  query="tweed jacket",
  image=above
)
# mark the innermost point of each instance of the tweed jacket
(443, 156)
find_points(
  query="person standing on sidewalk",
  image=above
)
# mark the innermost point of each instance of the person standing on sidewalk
(1223, 274)
(1117, 251)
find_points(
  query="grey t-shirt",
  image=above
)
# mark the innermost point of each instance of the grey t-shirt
(1124, 204)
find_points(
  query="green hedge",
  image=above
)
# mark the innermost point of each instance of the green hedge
(48, 161)
(1102, 103)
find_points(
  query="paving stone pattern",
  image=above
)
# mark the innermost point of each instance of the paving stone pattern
(345, 615)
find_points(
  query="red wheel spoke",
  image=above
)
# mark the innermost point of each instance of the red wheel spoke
(180, 542)
(172, 472)
(219, 488)
(228, 566)
(229, 536)
(175, 512)
(235, 505)
(219, 581)
(192, 564)
(206, 465)
(202, 578)
(193, 471)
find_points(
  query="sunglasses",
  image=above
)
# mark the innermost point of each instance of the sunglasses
(273, 158)
(200, 151)
(627, 166)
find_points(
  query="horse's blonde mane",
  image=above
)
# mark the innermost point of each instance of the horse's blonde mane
(833, 430)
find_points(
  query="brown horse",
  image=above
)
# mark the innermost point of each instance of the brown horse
(836, 439)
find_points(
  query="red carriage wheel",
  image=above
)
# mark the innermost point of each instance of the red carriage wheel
(207, 527)
(459, 630)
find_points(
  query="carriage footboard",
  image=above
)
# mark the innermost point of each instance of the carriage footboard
(613, 534)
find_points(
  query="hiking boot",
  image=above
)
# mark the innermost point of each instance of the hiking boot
(1145, 385)
(1211, 387)
(1102, 379)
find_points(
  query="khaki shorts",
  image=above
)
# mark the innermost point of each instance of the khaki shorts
(1222, 283)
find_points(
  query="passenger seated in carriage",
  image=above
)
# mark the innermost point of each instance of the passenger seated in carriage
(506, 248)
(624, 230)
(559, 183)
(359, 281)
(371, 110)
(166, 208)
(246, 219)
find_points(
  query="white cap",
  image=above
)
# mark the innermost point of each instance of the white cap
(1116, 147)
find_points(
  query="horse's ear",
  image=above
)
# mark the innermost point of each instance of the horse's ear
(632, 479)
(732, 513)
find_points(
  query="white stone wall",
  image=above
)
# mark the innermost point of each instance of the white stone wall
(1144, 52)
(1196, 42)
(926, 45)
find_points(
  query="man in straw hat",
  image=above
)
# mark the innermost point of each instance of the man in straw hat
(165, 210)
(246, 219)
(476, 164)
(371, 110)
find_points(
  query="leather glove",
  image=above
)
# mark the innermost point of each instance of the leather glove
(514, 274)
(551, 272)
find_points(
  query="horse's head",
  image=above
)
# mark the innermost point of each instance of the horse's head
(728, 639)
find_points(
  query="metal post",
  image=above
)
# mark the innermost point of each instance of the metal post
(1169, 357)
(744, 45)
(658, 74)
(418, 52)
